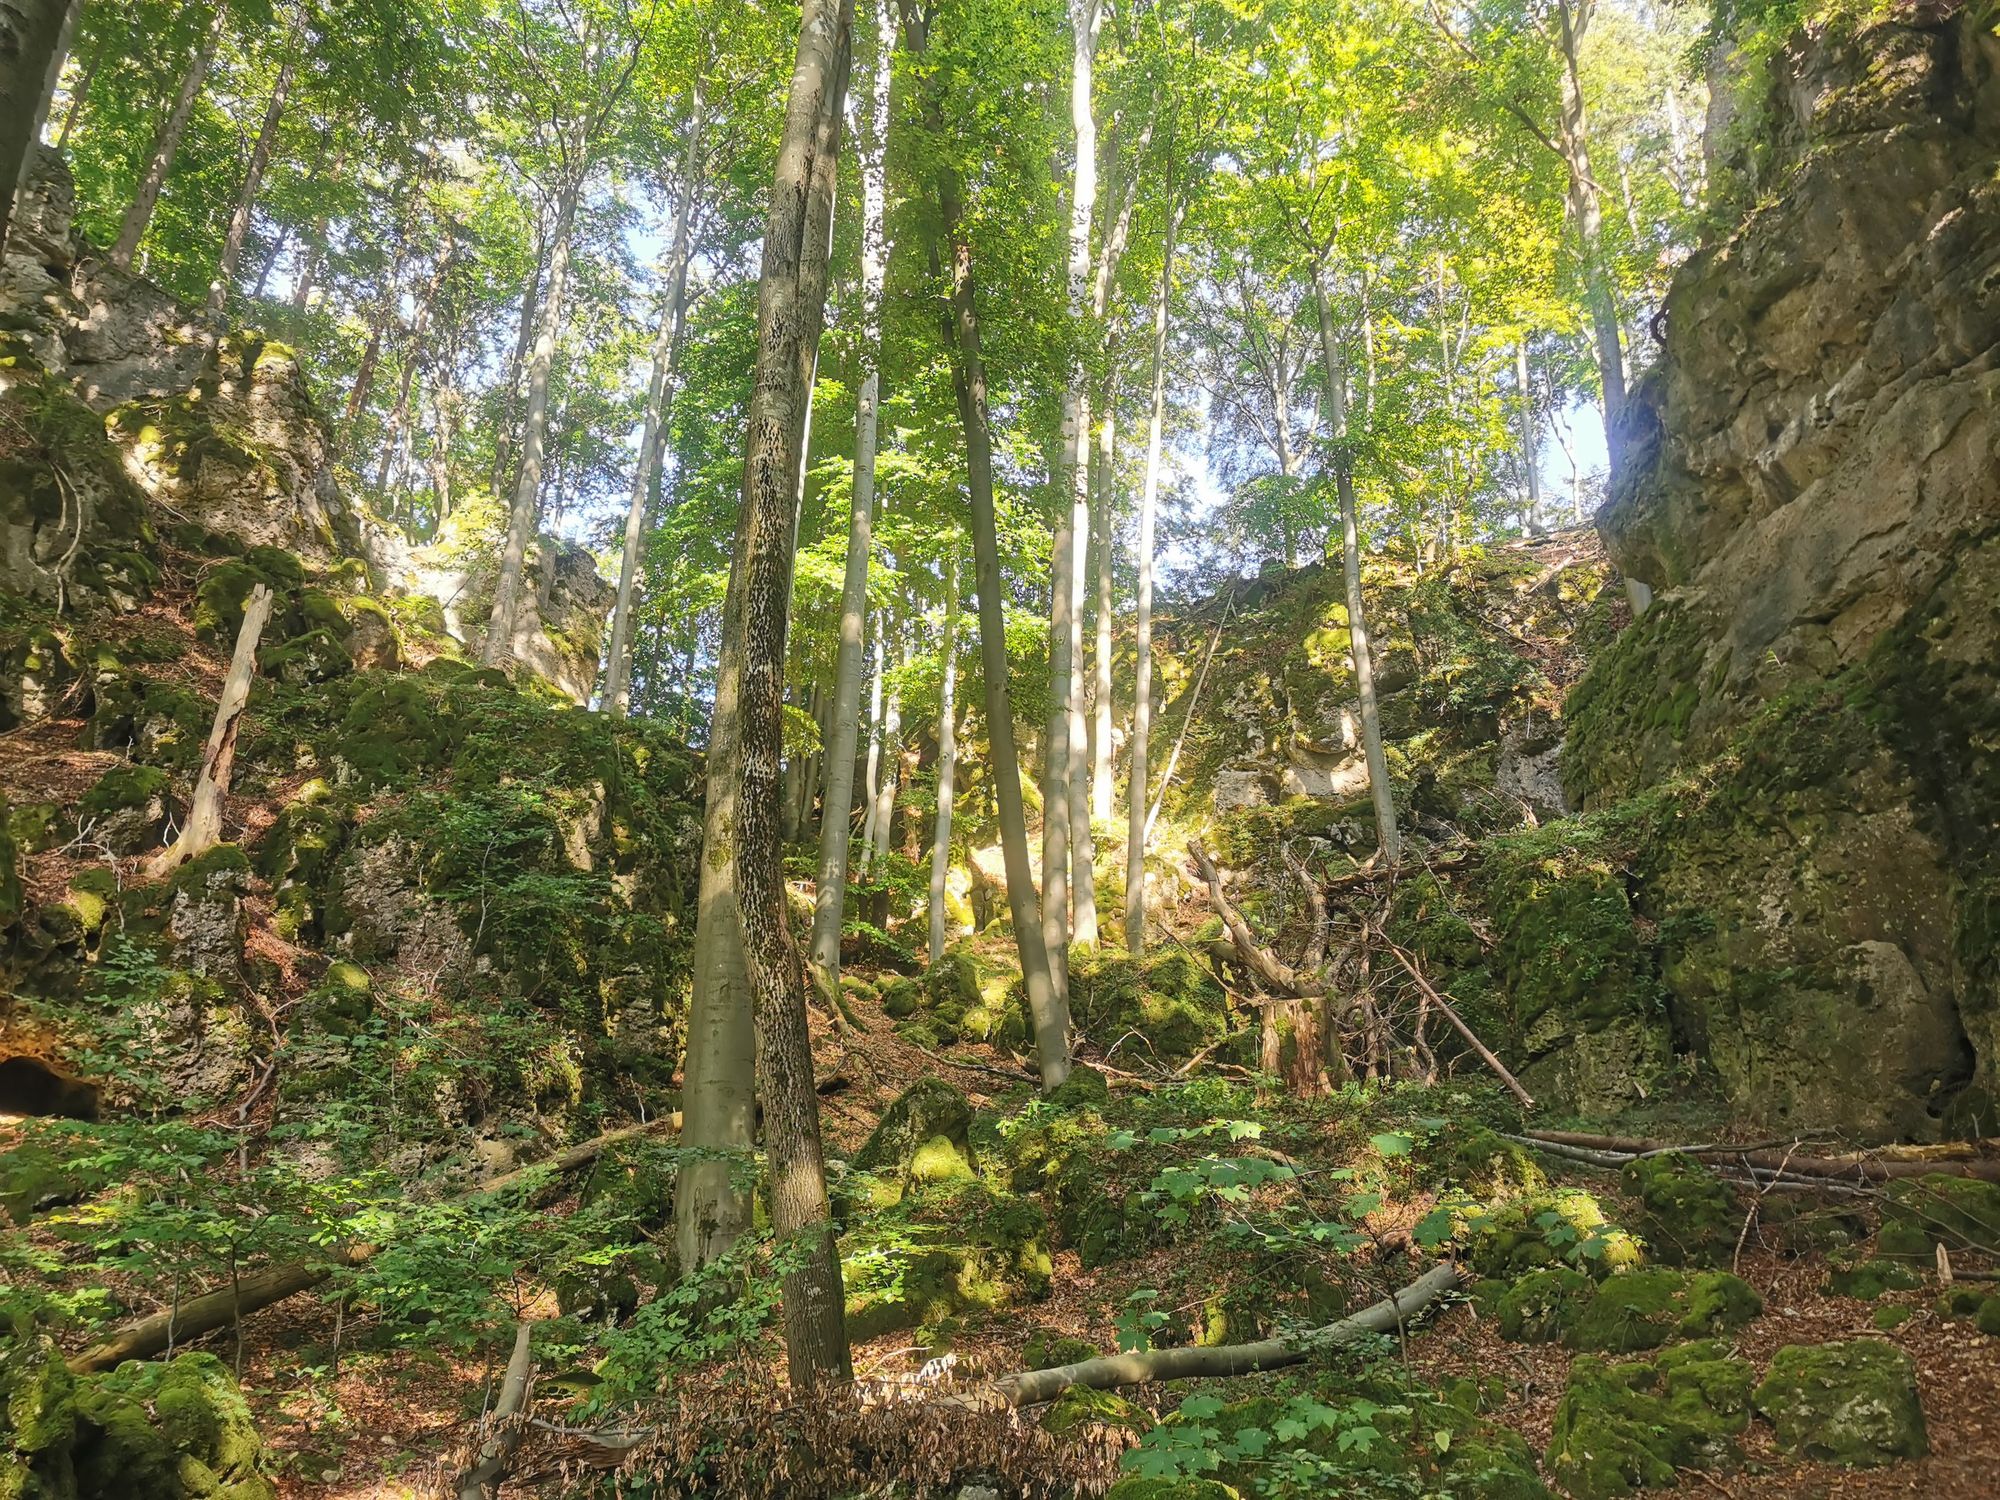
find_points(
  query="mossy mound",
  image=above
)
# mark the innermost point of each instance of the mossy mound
(175, 1431)
(923, 1139)
(941, 1253)
(1868, 1278)
(967, 995)
(1564, 1227)
(1164, 1005)
(1648, 1308)
(1688, 1215)
(1852, 1403)
(1079, 1409)
(1485, 1164)
(1628, 1426)
(1961, 1212)
(1542, 1306)
(1136, 1488)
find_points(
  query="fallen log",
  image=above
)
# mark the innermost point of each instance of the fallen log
(1863, 1166)
(1032, 1387)
(226, 1305)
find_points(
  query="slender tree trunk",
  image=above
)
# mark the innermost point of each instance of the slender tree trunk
(652, 435)
(947, 765)
(413, 357)
(81, 93)
(444, 406)
(872, 781)
(815, 764)
(1350, 547)
(31, 34)
(1142, 687)
(791, 311)
(1573, 17)
(253, 183)
(526, 512)
(524, 342)
(1048, 1008)
(1082, 841)
(836, 825)
(1531, 469)
(165, 145)
(1104, 524)
(891, 768)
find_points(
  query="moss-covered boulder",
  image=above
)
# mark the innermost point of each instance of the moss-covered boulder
(902, 998)
(1869, 1277)
(174, 1431)
(1085, 1088)
(942, 1252)
(1687, 1215)
(1542, 1307)
(1135, 1487)
(1164, 1005)
(1648, 1308)
(1623, 1427)
(1564, 1227)
(1080, 1409)
(1959, 1212)
(923, 1138)
(1852, 1403)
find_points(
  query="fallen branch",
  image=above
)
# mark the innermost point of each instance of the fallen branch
(1881, 1166)
(1260, 960)
(1451, 1014)
(1032, 1387)
(227, 1305)
(505, 1425)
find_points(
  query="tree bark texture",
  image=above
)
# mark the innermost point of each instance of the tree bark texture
(947, 763)
(34, 38)
(253, 183)
(166, 144)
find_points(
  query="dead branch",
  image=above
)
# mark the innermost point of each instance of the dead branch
(504, 1425)
(1881, 1165)
(1260, 960)
(1451, 1014)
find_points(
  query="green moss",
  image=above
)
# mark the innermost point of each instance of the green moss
(1622, 1427)
(1542, 1306)
(1987, 1319)
(923, 1137)
(1647, 1308)
(940, 1254)
(1853, 1403)
(316, 656)
(1891, 1317)
(1049, 1350)
(1085, 1088)
(1868, 1279)
(1627, 717)
(1135, 1488)
(1688, 1215)
(902, 998)
(1164, 1004)
(154, 722)
(127, 787)
(1080, 1410)
(1962, 1212)
(396, 727)
(1566, 1225)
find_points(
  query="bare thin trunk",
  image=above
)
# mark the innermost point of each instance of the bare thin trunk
(1048, 1008)
(165, 145)
(652, 435)
(413, 357)
(253, 184)
(791, 311)
(1530, 459)
(203, 829)
(891, 769)
(1573, 17)
(81, 92)
(947, 766)
(1350, 550)
(1142, 687)
(526, 512)
(1104, 524)
(1082, 841)
(872, 781)
(524, 341)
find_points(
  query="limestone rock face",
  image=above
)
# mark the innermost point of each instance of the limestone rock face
(1809, 489)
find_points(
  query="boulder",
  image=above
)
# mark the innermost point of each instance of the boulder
(1852, 1403)
(1623, 1427)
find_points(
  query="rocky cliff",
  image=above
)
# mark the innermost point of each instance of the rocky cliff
(1795, 747)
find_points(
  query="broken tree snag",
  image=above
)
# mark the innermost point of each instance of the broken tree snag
(505, 1423)
(1032, 1387)
(1451, 1014)
(1258, 959)
(259, 1289)
(203, 829)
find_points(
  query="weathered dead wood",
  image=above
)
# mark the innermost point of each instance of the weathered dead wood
(1258, 959)
(203, 829)
(504, 1424)
(1032, 1387)
(210, 1311)
(1451, 1014)
(1881, 1165)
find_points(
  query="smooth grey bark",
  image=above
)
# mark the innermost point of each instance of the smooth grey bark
(652, 432)
(1142, 685)
(1103, 527)
(253, 182)
(526, 511)
(1350, 548)
(1530, 458)
(891, 769)
(1082, 840)
(872, 781)
(791, 311)
(947, 765)
(397, 433)
(836, 830)
(25, 39)
(166, 144)
(1048, 1008)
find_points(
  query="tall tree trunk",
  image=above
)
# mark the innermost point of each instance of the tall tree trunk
(526, 512)
(1082, 842)
(1142, 685)
(1350, 547)
(1531, 468)
(652, 434)
(502, 480)
(81, 93)
(444, 407)
(363, 388)
(31, 33)
(790, 313)
(166, 143)
(891, 768)
(1104, 525)
(947, 765)
(1048, 1008)
(253, 183)
(873, 778)
(413, 357)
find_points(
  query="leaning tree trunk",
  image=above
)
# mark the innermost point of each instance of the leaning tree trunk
(253, 184)
(166, 144)
(31, 33)
(1048, 1008)
(203, 829)
(790, 313)
(947, 764)
(526, 512)
(835, 824)
(1142, 684)
(1350, 550)
(652, 435)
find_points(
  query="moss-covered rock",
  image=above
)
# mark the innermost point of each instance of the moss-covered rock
(1622, 1427)
(1960, 1212)
(1868, 1278)
(1647, 1308)
(1542, 1306)
(1085, 1088)
(902, 998)
(1164, 1004)
(1564, 1227)
(1688, 1215)
(1852, 1403)
(1133, 1487)
(1080, 1409)
(923, 1138)
(940, 1253)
